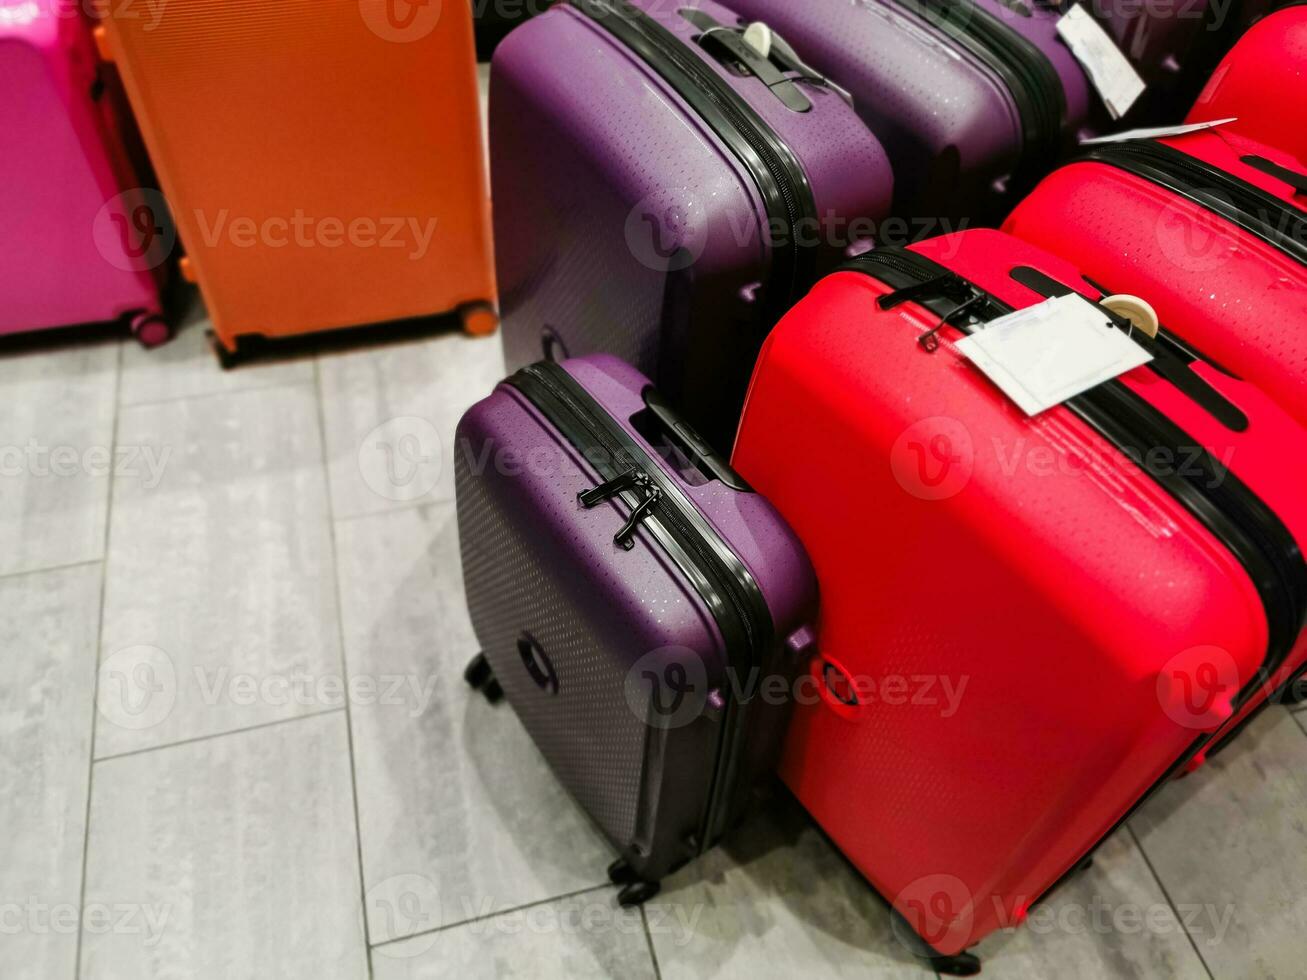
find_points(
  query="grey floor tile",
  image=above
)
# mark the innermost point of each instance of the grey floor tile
(47, 699)
(586, 937)
(56, 441)
(186, 366)
(775, 900)
(220, 608)
(390, 415)
(229, 858)
(1111, 921)
(1229, 843)
(460, 816)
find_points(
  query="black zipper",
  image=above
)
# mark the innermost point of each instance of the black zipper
(1034, 83)
(777, 172)
(1256, 211)
(1216, 497)
(1239, 518)
(660, 507)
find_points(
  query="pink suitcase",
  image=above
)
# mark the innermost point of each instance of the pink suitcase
(82, 242)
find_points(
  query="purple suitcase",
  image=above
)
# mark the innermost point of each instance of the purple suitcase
(664, 194)
(973, 101)
(629, 594)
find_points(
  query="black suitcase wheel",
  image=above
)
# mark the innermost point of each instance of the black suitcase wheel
(621, 873)
(492, 691)
(478, 672)
(637, 893)
(960, 965)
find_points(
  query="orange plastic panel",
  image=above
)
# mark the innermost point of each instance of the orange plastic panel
(323, 158)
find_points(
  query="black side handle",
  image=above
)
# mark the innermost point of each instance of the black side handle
(1170, 361)
(1291, 177)
(706, 460)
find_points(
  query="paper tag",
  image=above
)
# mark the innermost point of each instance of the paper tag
(1157, 133)
(1112, 74)
(759, 37)
(1045, 354)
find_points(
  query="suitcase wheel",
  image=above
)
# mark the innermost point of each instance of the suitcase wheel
(621, 873)
(959, 965)
(480, 677)
(150, 329)
(479, 319)
(637, 893)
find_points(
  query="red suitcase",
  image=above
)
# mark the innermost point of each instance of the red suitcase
(1024, 631)
(1262, 82)
(1210, 227)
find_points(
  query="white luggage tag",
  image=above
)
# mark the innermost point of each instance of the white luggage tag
(1158, 132)
(759, 37)
(1110, 71)
(1045, 354)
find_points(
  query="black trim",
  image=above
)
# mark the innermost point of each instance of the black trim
(712, 567)
(1171, 359)
(1256, 211)
(1296, 180)
(780, 178)
(1255, 535)
(1027, 72)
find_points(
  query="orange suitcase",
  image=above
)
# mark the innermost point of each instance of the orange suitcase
(323, 158)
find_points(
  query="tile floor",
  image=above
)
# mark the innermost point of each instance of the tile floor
(234, 740)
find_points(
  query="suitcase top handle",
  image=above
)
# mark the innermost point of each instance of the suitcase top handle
(729, 46)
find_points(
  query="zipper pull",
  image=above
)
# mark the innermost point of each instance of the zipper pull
(608, 490)
(929, 341)
(625, 538)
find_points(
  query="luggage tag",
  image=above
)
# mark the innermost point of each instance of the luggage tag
(1048, 353)
(1157, 132)
(1111, 72)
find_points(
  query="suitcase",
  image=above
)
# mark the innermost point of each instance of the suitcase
(691, 191)
(1027, 624)
(324, 160)
(1210, 227)
(1262, 83)
(634, 600)
(1003, 99)
(84, 241)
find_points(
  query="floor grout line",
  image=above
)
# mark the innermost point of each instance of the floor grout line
(216, 735)
(648, 938)
(344, 657)
(412, 505)
(1301, 718)
(493, 915)
(1167, 895)
(95, 662)
(67, 566)
(173, 400)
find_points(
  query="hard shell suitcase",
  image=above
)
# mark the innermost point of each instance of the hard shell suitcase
(1027, 623)
(1210, 227)
(965, 96)
(1262, 83)
(324, 161)
(81, 241)
(636, 602)
(692, 190)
